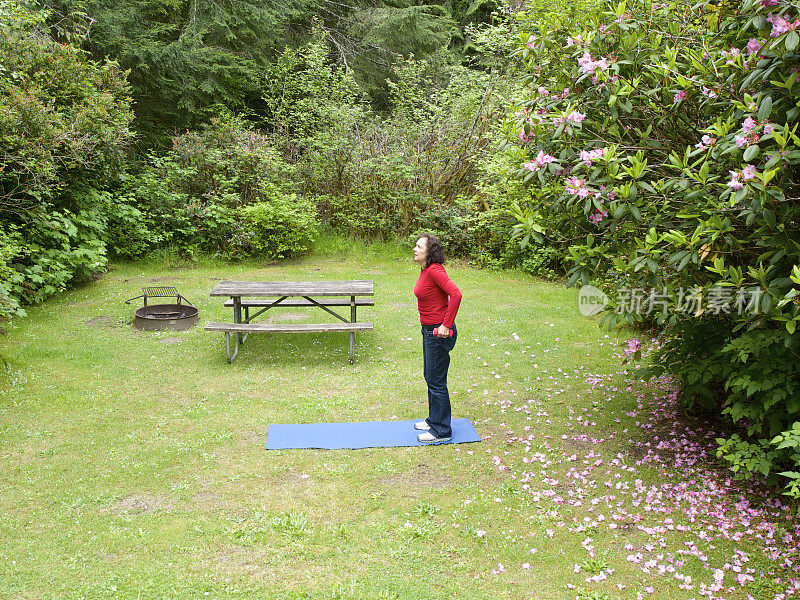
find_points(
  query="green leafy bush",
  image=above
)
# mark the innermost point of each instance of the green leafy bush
(10, 248)
(358, 216)
(64, 122)
(662, 135)
(281, 228)
(56, 250)
(222, 190)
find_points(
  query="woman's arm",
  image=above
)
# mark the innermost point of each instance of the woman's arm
(446, 284)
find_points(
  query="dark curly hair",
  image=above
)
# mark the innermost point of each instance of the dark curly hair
(435, 249)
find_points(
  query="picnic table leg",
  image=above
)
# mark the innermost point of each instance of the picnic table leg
(237, 317)
(228, 346)
(352, 333)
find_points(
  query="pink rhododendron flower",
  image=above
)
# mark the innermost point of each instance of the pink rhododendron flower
(679, 96)
(576, 187)
(753, 46)
(597, 216)
(587, 156)
(734, 183)
(589, 66)
(741, 140)
(706, 141)
(768, 128)
(749, 172)
(781, 25)
(586, 60)
(541, 160)
(749, 124)
(576, 117)
(633, 345)
(709, 92)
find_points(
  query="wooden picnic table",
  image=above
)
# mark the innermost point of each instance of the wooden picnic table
(264, 295)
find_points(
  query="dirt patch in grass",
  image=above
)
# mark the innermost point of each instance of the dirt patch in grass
(141, 504)
(400, 305)
(208, 501)
(294, 479)
(237, 560)
(254, 438)
(421, 476)
(289, 316)
(101, 321)
(171, 340)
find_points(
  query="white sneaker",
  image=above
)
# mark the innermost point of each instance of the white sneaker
(429, 438)
(422, 426)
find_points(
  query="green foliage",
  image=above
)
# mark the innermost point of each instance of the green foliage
(357, 216)
(663, 137)
(280, 228)
(749, 458)
(187, 58)
(384, 177)
(58, 248)
(63, 118)
(222, 189)
(190, 58)
(64, 125)
(10, 248)
(400, 32)
(302, 91)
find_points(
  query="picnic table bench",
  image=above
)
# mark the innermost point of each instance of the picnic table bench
(265, 295)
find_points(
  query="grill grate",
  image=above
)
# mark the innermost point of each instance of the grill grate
(159, 292)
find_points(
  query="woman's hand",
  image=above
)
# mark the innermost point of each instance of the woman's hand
(443, 332)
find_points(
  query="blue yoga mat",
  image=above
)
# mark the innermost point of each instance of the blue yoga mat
(376, 434)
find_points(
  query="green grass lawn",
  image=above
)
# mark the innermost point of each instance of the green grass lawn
(134, 462)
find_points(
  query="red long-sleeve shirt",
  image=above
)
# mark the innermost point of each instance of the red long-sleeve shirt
(432, 291)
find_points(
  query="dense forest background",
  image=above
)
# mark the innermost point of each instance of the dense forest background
(632, 144)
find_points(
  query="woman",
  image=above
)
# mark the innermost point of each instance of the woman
(438, 299)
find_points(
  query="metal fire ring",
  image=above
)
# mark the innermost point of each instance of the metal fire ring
(176, 316)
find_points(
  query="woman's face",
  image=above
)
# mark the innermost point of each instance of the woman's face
(421, 251)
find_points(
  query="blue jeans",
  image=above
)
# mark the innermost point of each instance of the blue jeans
(436, 361)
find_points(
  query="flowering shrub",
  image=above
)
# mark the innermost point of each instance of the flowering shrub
(64, 125)
(664, 135)
(222, 190)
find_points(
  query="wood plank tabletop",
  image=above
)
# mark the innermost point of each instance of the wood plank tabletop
(362, 287)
